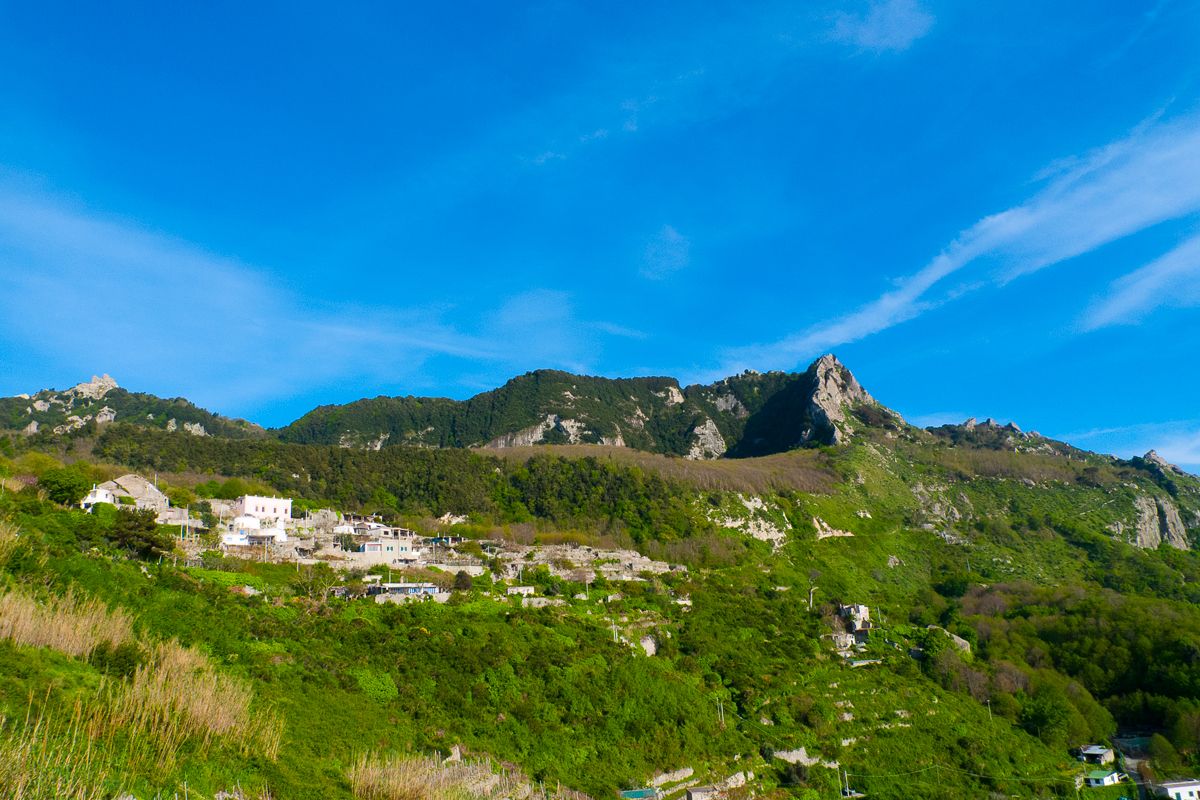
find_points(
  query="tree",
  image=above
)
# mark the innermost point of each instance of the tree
(463, 582)
(135, 530)
(66, 485)
(315, 582)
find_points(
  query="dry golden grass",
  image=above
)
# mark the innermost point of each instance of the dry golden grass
(797, 470)
(69, 624)
(177, 696)
(424, 778)
(43, 759)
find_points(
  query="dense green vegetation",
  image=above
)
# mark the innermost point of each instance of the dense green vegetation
(146, 410)
(1022, 548)
(651, 414)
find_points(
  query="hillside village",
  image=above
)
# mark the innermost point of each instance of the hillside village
(263, 529)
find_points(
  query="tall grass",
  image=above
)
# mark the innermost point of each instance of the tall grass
(178, 696)
(424, 778)
(48, 759)
(67, 623)
(9, 537)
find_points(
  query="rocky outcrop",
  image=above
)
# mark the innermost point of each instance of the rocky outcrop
(571, 429)
(31, 428)
(73, 423)
(105, 415)
(707, 441)
(827, 531)
(574, 429)
(94, 389)
(1161, 463)
(1171, 525)
(729, 404)
(526, 436)
(836, 390)
(1158, 521)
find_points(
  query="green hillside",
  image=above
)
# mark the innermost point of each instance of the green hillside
(1026, 597)
(744, 415)
(83, 409)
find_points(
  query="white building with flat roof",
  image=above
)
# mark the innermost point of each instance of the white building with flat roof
(277, 508)
(1178, 790)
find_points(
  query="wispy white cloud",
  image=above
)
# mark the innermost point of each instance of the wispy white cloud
(537, 328)
(1149, 177)
(1182, 449)
(621, 331)
(103, 294)
(1177, 441)
(667, 253)
(1172, 280)
(547, 156)
(599, 133)
(886, 25)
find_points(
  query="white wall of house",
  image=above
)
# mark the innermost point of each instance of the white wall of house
(279, 508)
(97, 495)
(1179, 790)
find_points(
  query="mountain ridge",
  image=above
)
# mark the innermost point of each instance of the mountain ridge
(745, 415)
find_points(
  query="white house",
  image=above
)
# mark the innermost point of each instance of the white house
(1100, 777)
(391, 546)
(97, 495)
(248, 530)
(1179, 790)
(523, 591)
(277, 508)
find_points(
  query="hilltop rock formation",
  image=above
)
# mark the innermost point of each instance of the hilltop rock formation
(1154, 459)
(824, 405)
(94, 389)
(836, 391)
(101, 401)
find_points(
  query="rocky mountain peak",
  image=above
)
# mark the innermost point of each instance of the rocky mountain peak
(96, 388)
(1166, 466)
(835, 389)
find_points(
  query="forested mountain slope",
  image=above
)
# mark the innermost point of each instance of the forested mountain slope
(744, 415)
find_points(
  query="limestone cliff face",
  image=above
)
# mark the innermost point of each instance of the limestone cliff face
(707, 441)
(1158, 521)
(571, 431)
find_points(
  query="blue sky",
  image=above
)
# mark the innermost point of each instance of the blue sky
(985, 209)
